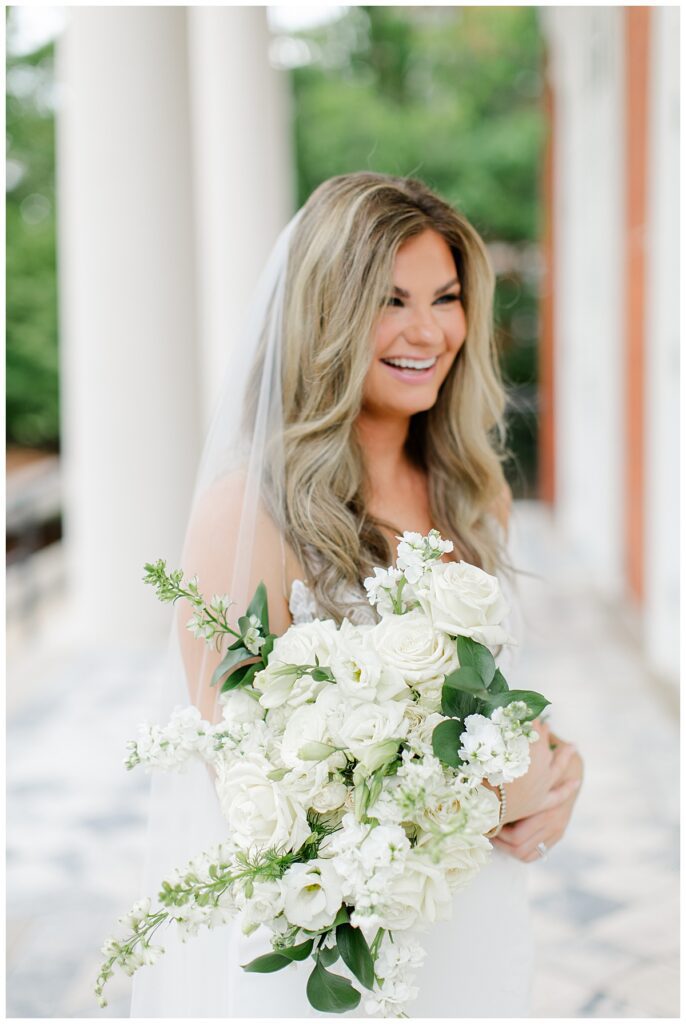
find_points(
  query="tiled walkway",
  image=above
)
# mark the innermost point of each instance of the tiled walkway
(605, 902)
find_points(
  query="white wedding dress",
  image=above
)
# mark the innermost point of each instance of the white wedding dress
(478, 963)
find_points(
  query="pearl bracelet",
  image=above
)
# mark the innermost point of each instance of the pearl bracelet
(501, 817)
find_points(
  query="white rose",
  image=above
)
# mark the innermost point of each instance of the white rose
(258, 809)
(311, 894)
(463, 600)
(420, 895)
(238, 706)
(411, 644)
(372, 732)
(359, 670)
(329, 798)
(460, 856)
(307, 643)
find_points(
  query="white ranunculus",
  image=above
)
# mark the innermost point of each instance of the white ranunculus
(259, 810)
(421, 653)
(359, 670)
(238, 706)
(311, 894)
(463, 600)
(419, 894)
(372, 732)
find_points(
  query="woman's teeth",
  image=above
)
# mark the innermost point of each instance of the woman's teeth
(411, 364)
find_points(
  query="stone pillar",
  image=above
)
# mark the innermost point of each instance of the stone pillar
(661, 504)
(130, 423)
(243, 169)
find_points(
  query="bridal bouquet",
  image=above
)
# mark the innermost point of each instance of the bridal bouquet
(349, 764)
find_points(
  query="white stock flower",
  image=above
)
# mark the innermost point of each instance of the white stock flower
(494, 748)
(418, 896)
(382, 588)
(463, 600)
(264, 902)
(395, 962)
(371, 732)
(258, 809)
(311, 894)
(411, 644)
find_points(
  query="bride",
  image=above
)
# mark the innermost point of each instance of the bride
(362, 400)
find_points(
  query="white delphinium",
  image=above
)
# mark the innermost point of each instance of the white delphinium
(395, 962)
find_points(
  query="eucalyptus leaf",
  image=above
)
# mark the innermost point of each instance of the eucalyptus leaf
(267, 964)
(330, 993)
(445, 741)
(355, 953)
(243, 675)
(459, 704)
(474, 655)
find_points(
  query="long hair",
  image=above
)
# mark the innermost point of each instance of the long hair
(340, 265)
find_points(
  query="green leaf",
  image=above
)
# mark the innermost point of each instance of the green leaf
(341, 917)
(459, 704)
(445, 741)
(355, 952)
(267, 964)
(300, 952)
(267, 647)
(498, 684)
(330, 993)
(232, 660)
(259, 606)
(466, 679)
(474, 655)
(535, 702)
(328, 955)
(241, 676)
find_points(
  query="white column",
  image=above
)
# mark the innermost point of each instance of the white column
(662, 350)
(587, 69)
(243, 168)
(129, 428)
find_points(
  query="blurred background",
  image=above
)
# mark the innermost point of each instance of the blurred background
(153, 155)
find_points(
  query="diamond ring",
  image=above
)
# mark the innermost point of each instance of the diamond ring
(542, 849)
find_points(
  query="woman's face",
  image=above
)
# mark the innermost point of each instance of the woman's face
(421, 329)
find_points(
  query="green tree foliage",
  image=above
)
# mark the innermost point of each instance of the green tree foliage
(451, 95)
(31, 351)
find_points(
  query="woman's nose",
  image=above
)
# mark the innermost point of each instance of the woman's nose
(422, 327)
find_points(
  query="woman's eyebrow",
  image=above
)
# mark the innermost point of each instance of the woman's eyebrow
(405, 295)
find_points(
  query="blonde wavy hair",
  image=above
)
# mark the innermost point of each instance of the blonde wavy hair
(340, 264)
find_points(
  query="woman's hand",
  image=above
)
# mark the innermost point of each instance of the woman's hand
(548, 824)
(528, 794)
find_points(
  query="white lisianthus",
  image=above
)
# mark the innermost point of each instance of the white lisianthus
(463, 600)
(240, 706)
(306, 739)
(421, 653)
(359, 670)
(258, 809)
(372, 732)
(311, 894)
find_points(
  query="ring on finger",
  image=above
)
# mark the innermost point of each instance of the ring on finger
(542, 850)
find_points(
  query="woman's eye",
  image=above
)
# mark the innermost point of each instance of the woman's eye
(393, 300)
(451, 297)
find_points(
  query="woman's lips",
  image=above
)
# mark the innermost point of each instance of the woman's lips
(411, 376)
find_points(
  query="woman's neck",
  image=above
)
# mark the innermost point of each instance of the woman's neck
(382, 440)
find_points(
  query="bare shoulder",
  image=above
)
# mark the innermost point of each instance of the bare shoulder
(502, 506)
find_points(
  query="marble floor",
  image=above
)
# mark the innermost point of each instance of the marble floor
(605, 902)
